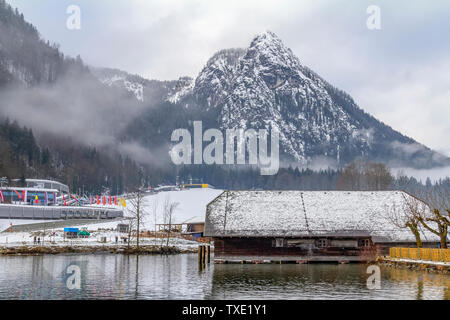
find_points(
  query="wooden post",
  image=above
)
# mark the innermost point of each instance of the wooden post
(208, 252)
(203, 255)
(199, 255)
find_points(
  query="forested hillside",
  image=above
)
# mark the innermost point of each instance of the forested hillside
(38, 81)
(81, 167)
(24, 56)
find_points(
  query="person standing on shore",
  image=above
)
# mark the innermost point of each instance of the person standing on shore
(39, 240)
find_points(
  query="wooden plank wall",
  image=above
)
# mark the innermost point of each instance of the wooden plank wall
(263, 247)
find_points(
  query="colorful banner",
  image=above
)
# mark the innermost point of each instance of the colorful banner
(18, 194)
(1, 196)
(98, 199)
(75, 198)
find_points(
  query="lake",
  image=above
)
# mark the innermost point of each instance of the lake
(108, 276)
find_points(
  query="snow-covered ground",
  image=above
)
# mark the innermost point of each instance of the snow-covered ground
(25, 238)
(434, 263)
(5, 223)
(191, 203)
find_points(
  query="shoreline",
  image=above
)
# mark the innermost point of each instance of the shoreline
(415, 265)
(123, 249)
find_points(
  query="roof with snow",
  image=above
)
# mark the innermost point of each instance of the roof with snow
(308, 214)
(194, 220)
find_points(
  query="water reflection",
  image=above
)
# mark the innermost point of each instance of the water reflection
(178, 277)
(323, 281)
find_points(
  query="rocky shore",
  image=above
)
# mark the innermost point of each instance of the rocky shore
(428, 266)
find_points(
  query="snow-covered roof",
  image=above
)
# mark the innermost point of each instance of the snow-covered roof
(308, 213)
(194, 220)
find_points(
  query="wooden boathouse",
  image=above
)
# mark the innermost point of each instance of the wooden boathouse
(306, 226)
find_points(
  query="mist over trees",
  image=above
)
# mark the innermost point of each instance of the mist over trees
(81, 167)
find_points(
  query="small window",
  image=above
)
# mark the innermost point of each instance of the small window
(364, 243)
(279, 243)
(322, 243)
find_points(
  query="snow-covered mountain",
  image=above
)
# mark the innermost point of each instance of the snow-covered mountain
(266, 85)
(144, 90)
(213, 84)
(121, 79)
(262, 86)
(182, 88)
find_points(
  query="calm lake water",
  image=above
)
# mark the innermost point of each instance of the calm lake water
(178, 277)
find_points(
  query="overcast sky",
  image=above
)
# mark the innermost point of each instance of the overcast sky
(400, 74)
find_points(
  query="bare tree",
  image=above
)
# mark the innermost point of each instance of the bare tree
(377, 176)
(137, 212)
(407, 216)
(169, 211)
(131, 226)
(438, 200)
(364, 175)
(350, 178)
(155, 213)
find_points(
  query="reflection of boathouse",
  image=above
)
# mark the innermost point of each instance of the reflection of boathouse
(306, 226)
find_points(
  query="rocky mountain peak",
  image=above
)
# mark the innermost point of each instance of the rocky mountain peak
(266, 86)
(215, 79)
(268, 49)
